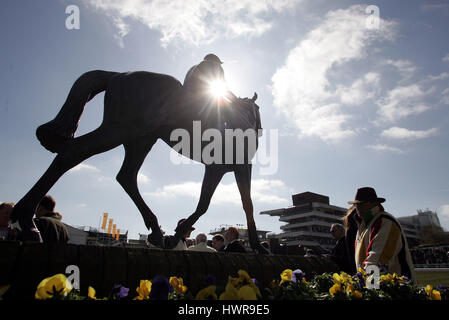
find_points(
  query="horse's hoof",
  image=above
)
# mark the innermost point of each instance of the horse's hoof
(156, 239)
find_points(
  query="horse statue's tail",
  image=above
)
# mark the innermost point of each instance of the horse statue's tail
(53, 134)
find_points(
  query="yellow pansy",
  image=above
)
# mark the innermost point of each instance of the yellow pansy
(246, 293)
(178, 285)
(342, 278)
(433, 294)
(230, 293)
(91, 293)
(245, 279)
(357, 294)
(346, 277)
(235, 281)
(362, 271)
(397, 279)
(143, 290)
(385, 278)
(244, 275)
(352, 292)
(286, 275)
(349, 289)
(207, 293)
(55, 285)
(335, 289)
(391, 278)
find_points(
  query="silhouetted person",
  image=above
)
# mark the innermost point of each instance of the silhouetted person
(49, 222)
(201, 244)
(275, 246)
(181, 244)
(233, 242)
(309, 253)
(218, 242)
(200, 76)
(190, 242)
(266, 245)
(5, 228)
(339, 253)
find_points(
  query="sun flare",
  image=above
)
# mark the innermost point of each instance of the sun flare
(218, 88)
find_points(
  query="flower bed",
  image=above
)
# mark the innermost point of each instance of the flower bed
(291, 285)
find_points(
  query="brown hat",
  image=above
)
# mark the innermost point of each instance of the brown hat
(366, 194)
(182, 220)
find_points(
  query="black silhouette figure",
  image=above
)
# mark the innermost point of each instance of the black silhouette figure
(140, 108)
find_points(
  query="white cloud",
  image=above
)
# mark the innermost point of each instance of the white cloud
(405, 67)
(446, 58)
(444, 215)
(444, 211)
(445, 98)
(123, 30)
(406, 134)
(141, 178)
(189, 189)
(93, 173)
(262, 191)
(403, 101)
(196, 21)
(361, 90)
(385, 148)
(300, 86)
(441, 76)
(82, 167)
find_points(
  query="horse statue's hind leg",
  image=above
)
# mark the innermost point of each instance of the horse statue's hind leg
(135, 153)
(242, 174)
(53, 134)
(72, 153)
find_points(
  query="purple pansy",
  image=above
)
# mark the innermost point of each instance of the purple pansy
(119, 292)
(210, 280)
(159, 288)
(298, 275)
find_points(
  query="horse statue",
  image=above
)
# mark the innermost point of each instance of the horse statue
(140, 108)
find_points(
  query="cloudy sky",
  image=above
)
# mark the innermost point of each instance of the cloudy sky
(347, 99)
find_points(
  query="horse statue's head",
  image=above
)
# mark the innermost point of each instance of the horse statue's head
(257, 115)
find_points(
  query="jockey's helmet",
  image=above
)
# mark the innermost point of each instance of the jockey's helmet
(212, 57)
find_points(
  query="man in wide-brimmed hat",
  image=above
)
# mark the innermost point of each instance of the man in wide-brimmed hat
(379, 239)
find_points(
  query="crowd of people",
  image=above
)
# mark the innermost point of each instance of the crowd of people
(47, 221)
(369, 236)
(229, 242)
(431, 255)
(52, 230)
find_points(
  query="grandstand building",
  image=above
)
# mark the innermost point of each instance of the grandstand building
(308, 222)
(93, 236)
(422, 226)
